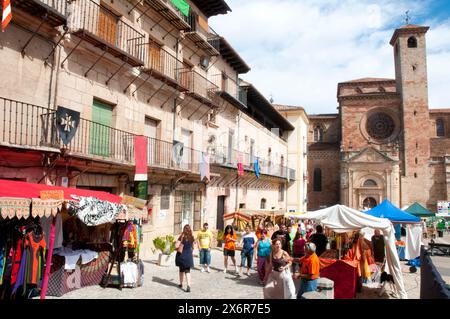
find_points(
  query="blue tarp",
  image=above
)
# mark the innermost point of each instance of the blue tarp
(394, 214)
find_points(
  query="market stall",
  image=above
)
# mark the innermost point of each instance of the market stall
(341, 219)
(70, 227)
(409, 249)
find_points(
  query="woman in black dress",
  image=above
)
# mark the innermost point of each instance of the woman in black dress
(184, 260)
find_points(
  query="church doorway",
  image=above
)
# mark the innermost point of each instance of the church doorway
(369, 203)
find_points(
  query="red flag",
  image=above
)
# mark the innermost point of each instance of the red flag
(141, 159)
(240, 165)
(7, 14)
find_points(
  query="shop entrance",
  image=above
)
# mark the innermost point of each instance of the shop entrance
(220, 211)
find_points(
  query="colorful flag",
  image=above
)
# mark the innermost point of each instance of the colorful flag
(257, 167)
(7, 14)
(141, 158)
(240, 165)
(204, 167)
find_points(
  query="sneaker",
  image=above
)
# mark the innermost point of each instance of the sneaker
(188, 289)
(180, 286)
(207, 269)
(236, 269)
(202, 269)
(225, 271)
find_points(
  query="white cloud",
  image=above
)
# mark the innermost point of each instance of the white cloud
(300, 50)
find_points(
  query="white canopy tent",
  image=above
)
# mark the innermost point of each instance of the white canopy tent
(342, 219)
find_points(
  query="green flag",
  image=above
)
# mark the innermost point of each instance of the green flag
(182, 6)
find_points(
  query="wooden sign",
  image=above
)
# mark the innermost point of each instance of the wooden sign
(59, 195)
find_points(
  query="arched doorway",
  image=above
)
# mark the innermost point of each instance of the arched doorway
(369, 203)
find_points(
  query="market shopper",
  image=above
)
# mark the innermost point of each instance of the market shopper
(262, 254)
(229, 249)
(184, 258)
(283, 235)
(309, 270)
(319, 240)
(298, 248)
(378, 246)
(248, 244)
(279, 279)
(204, 239)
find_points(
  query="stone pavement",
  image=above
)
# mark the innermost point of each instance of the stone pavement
(162, 283)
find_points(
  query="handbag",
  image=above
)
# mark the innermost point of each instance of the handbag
(179, 246)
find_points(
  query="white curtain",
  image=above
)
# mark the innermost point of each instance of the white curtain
(413, 241)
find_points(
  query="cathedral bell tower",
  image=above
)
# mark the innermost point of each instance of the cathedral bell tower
(409, 44)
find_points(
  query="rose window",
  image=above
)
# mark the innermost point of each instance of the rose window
(380, 126)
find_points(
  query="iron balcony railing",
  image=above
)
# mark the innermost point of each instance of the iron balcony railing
(166, 64)
(89, 16)
(22, 124)
(31, 126)
(199, 85)
(227, 157)
(58, 5)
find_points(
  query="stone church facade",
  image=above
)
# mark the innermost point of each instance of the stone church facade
(385, 142)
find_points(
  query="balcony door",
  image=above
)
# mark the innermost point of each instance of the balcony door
(154, 57)
(107, 25)
(151, 130)
(100, 134)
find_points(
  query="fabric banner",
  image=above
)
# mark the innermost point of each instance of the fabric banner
(45, 208)
(182, 6)
(413, 241)
(240, 164)
(140, 157)
(204, 167)
(12, 207)
(257, 167)
(94, 212)
(67, 122)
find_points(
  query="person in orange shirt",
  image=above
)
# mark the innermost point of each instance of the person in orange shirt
(229, 249)
(309, 271)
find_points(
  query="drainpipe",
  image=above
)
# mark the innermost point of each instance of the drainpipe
(237, 145)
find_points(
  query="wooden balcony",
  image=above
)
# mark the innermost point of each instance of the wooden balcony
(104, 29)
(201, 37)
(166, 9)
(200, 88)
(53, 11)
(230, 90)
(165, 67)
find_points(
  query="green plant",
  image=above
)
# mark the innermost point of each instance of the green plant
(165, 244)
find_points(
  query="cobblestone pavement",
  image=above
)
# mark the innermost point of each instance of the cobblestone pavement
(162, 283)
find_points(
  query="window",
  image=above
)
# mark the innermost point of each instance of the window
(370, 183)
(380, 126)
(165, 199)
(263, 203)
(242, 205)
(412, 42)
(317, 180)
(318, 134)
(440, 128)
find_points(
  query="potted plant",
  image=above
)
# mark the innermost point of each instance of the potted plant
(166, 246)
(219, 238)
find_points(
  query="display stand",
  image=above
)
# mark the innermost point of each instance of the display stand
(118, 252)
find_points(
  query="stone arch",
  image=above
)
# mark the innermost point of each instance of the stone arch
(412, 42)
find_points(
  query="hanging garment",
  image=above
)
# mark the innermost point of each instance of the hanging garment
(46, 224)
(94, 212)
(36, 247)
(130, 236)
(17, 260)
(129, 273)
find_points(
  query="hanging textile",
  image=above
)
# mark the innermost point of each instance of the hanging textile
(45, 208)
(182, 6)
(141, 158)
(94, 212)
(240, 164)
(15, 207)
(257, 167)
(204, 167)
(413, 241)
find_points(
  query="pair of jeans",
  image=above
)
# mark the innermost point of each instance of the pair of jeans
(205, 257)
(306, 286)
(247, 258)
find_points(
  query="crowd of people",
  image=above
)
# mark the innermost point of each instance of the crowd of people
(282, 255)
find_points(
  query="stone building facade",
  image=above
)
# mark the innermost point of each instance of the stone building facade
(130, 68)
(384, 143)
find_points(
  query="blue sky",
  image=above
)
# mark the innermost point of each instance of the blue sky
(299, 50)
